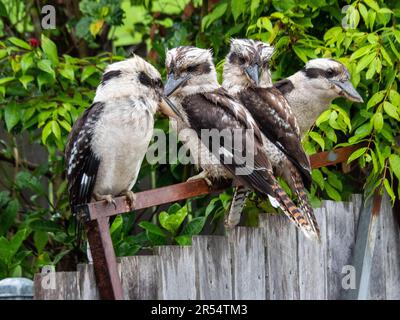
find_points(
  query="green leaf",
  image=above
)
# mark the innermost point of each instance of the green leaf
(8, 215)
(394, 161)
(45, 65)
(194, 226)
(365, 61)
(3, 10)
(50, 49)
(361, 52)
(332, 192)
(6, 80)
(217, 13)
(318, 178)
(152, 228)
(172, 221)
(68, 73)
(46, 132)
(20, 43)
(394, 97)
(377, 120)
(26, 180)
(238, 8)
(324, 116)
(254, 6)
(183, 240)
(318, 139)
(11, 115)
(45, 226)
(389, 189)
(356, 154)
(55, 128)
(25, 79)
(372, 4)
(375, 99)
(391, 110)
(40, 239)
(87, 72)
(386, 56)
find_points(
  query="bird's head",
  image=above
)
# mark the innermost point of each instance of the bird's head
(247, 63)
(330, 77)
(132, 77)
(189, 70)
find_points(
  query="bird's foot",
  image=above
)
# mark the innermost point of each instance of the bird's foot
(202, 175)
(232, 220)
(107, 198)
(130, 198)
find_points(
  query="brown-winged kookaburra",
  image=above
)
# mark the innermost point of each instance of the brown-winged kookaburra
(311, 90)
(204, 105)
(241, 77)
(107, 144)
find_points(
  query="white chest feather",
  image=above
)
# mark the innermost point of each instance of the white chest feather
(120, 140)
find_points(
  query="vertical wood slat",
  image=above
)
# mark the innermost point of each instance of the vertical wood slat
(388, 249)
(66, 286)
(213, 267)
(87, 282)
(140, 277)
(281, 257)
(248, 258)
(312, 261)
(340, 233)
(178, 275)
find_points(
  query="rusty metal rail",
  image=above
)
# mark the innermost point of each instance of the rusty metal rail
(98, 213)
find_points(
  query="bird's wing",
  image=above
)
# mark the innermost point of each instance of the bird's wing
(215, 110)
(82, 164)
(273, 115)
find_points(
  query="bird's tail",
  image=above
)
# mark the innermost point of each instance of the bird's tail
(238, 201)
(293, 213)
(304, 202)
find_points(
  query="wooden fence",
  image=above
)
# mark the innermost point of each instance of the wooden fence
(273, 261)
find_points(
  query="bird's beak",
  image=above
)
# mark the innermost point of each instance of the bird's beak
(348, 91)
(174, 83)
(168, 108)
(253, 72)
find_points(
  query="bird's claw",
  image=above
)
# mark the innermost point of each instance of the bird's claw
(202, 175)
(108, 198)
(130, 198)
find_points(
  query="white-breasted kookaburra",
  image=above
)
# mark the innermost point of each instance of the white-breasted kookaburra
(107, 144)
(204, 105)
(243, 70)
(311, 90)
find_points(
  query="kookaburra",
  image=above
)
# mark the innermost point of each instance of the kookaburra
(107, 144)
(242, 73)
(311, 90)
(204, 105)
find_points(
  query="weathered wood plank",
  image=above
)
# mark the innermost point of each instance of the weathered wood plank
(140, 277)
(281, 257)
(248, 258)
(213, 267)
(178, 272)
(390, 237)
(87, 282)
(312, 261)
(66, 286)
(340, 242)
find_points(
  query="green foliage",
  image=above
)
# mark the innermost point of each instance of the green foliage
(44, 89)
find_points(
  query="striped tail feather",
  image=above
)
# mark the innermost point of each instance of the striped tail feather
(235, 211)
(304, 202)
(294, 213)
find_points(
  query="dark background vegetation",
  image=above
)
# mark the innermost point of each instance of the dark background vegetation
(48, 77)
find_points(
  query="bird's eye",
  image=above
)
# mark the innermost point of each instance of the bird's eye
(158, 83)
(191, 68)
(329, 73)
(242, 60)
